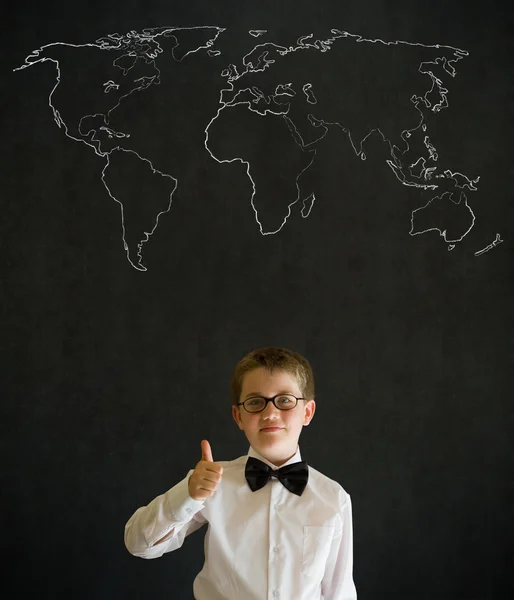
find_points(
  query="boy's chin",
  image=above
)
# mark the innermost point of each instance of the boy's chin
(281, 439)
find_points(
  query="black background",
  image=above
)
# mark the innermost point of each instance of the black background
(112, 377)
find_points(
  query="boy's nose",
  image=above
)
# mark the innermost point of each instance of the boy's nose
(270, 409)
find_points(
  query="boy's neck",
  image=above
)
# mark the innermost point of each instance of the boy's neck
(277, 461)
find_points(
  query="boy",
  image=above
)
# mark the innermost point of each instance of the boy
(278, 529)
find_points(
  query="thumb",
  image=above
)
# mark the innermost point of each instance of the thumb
(206, 451)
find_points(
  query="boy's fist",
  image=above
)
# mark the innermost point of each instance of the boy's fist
(206, 476)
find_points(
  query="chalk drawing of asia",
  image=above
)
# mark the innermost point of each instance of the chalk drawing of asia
(297, 92)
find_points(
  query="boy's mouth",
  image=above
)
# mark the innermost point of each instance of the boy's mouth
(273, 428)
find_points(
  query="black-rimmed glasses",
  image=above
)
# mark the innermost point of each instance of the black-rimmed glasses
(256, 404)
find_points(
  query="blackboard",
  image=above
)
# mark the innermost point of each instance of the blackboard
(264, 226)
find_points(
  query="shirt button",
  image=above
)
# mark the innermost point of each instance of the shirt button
(275, 594)
(276, 549)
(188, 510)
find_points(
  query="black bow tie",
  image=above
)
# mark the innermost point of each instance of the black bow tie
(294, 477)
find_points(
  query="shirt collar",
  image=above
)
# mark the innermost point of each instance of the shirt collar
(296, 458)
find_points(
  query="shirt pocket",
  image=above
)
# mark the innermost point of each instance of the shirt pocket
(316, 548)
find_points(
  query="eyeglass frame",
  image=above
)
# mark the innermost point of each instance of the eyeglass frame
(266, 400)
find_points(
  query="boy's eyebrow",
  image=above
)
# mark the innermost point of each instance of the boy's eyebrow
(261, 395)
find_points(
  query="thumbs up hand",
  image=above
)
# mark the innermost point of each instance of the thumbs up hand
(207, 475)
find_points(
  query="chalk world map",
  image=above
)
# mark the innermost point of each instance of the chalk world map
(271, 110)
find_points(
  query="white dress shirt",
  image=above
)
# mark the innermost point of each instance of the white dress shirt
(265, 545)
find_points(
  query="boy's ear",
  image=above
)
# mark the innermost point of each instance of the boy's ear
(237, 416)
(310, 409)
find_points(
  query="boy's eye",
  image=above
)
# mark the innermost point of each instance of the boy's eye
(285, 399)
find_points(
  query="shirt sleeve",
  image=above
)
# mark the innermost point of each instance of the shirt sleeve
(338, 581)
(173, 512)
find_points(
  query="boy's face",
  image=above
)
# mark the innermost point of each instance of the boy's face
(280, 445)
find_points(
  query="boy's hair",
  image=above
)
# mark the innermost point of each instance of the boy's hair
(274, 359)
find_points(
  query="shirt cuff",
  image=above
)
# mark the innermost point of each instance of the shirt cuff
(180, 505)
